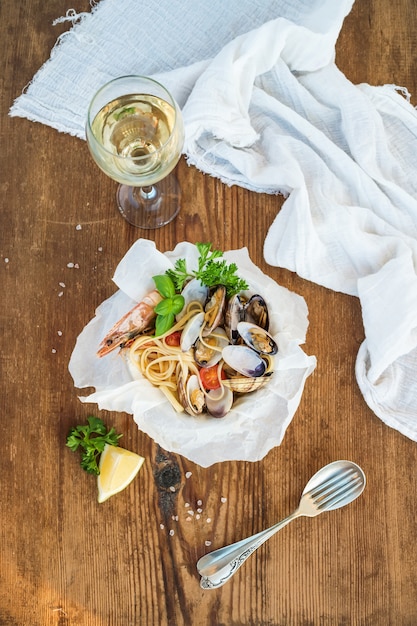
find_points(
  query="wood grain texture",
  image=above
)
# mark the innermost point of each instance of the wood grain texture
(68, 561)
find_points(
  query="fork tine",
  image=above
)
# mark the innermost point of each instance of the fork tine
(340, 493)
(332, 482)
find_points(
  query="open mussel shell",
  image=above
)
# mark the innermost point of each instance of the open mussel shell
(190, 394)
(214, 309)
(191, 331)
(194, 291)
(257, 338)
(244, 360)
(234, 314)
(208, 351)
(219, 401)
(256, 311)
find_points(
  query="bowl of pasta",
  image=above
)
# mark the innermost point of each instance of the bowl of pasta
(201, 348)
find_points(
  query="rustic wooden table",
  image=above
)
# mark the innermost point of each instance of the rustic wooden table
(65, 559)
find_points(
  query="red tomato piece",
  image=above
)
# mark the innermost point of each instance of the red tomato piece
(174, 338)
(209, 377)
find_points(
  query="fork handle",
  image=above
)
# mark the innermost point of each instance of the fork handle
(217, 567)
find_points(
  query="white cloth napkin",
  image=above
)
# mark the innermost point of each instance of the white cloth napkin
(257, 421)
(270, 111)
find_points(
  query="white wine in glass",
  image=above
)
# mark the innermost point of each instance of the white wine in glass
(135, 134)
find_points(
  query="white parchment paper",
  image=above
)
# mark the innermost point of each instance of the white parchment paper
(257, 421)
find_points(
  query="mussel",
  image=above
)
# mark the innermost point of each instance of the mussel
(190, 394)
(244, 360)
(214, 310)
(208, 351)
(257, 338)
(256, 311)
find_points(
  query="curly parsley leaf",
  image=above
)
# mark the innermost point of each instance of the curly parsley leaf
(210, 271)
(91, 439)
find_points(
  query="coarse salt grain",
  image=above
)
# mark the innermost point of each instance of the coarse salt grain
(188, 474)
(223, 500)
(53, 351)
(190, 512)
(100, 249)
(161, 526)
(76, 266)
(199, 502)
(208, 520)
(172, 533)
(198, 516)
(61, 293)
(6, 260)
(207, 543)
(172, 488)
(70, 265)
(199, 510)
(61, 284)
(188, 519)
(187, 504)
(59, 333)
(78, 227)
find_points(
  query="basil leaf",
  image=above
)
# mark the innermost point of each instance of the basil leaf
(177, 304)
(164, 307)
(163, 323)
(164, 285)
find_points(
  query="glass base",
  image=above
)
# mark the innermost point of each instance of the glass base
(150, 207)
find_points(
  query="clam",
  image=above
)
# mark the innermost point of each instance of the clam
(233, 315)
(257, 338)
(219, 401)
(191, 331)
(246, 384)
(244, 360)
(208, 351)
(214, 309)
(190, 394)
(256, 311)
(194, 291)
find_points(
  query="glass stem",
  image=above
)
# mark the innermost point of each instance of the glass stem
(148, 193)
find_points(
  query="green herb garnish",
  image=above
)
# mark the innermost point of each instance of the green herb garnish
(210, 271)
(124, 113)
(167, 309)
(92, 438)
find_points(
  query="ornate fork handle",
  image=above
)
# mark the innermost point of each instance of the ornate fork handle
(217, 567)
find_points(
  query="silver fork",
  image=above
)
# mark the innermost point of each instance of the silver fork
(332, 487)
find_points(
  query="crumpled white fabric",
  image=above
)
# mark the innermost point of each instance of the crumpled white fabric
(266, 107)
(257, 421)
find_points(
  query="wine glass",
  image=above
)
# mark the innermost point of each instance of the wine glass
(135, 134)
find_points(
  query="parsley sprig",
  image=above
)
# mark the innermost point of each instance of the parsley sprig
(210, 271)
(91, 437)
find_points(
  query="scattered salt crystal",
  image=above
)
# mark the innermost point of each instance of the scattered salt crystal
(59, 333)
(175, 518)
(172, 532)
(188, 519)
(77, 267)
(172, 488)
(61, 284)
(208, 520)
(207, 543)
(61, 293)
(53, 351)
(6, 260)
(190, 512)
(223, 500)
(188, 474)
(161, 526)
(199, 502)
(187, 504)
(199, 510)
(70, 265)
(100, 249)
(78, 227)
(198, 516)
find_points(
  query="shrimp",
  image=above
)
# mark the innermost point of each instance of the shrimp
(136, 321)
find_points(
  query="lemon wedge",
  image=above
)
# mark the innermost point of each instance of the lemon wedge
(118, 467)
